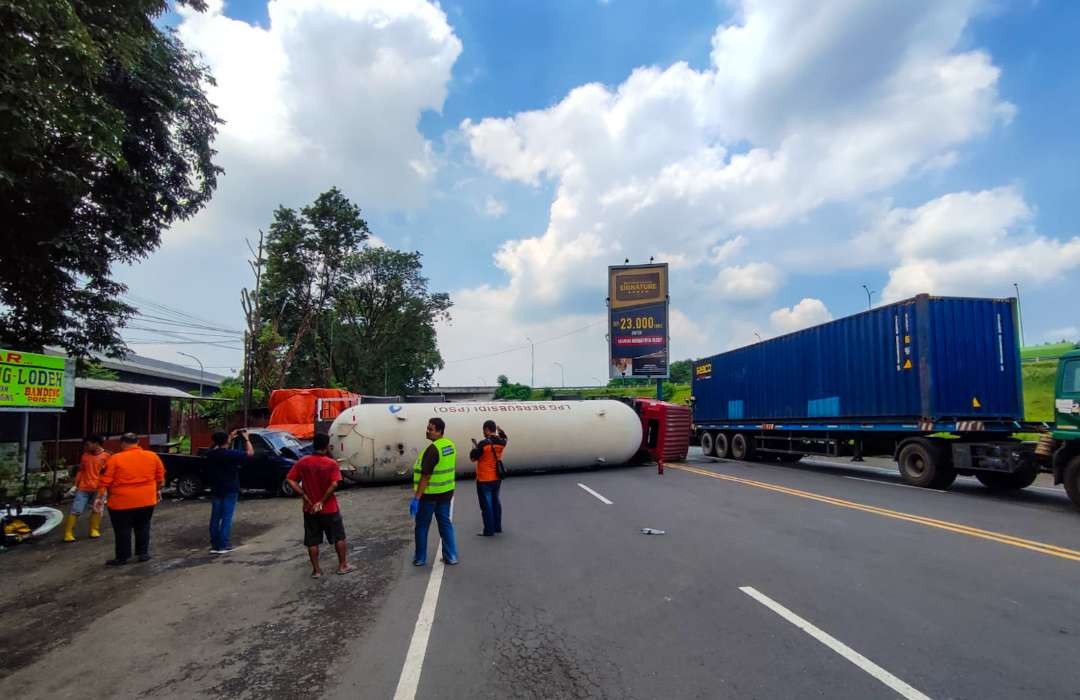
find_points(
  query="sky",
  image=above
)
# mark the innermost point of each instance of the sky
(778, 154)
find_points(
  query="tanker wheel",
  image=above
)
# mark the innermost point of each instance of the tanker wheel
(740, 447)
(708, 443)
(1002, 481)
(722, 446)
(1072, 480)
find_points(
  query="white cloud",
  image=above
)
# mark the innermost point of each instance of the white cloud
(702, 162)
(808, 312)
(330, 92)
(966, 243)
(493, 207)
(754, 280)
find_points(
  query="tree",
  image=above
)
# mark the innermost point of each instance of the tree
(680, 371)
(386, 313)
(335, 312)
(106, 142)
(514, 392)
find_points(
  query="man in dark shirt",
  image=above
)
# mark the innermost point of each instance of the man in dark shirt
(315, 478)
(223, 467)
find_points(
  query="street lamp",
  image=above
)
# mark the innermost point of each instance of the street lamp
(562, 370)
(758, 336)
(1019, 312)
(599, 381)
(532, 361)
(200, 369)
(869, 304)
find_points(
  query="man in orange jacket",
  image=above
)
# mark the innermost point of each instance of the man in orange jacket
(133, 478)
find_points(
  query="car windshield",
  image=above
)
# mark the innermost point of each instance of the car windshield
(283, 440)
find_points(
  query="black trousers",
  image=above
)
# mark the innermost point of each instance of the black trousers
(130, 520)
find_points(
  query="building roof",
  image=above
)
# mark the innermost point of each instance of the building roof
(137, 364)
(141, 389)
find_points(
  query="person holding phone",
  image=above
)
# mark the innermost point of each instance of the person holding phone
(223, 467)
(488, 457)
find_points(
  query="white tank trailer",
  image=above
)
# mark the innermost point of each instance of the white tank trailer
(380, 442)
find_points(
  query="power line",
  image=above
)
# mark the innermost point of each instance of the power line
(522, 347)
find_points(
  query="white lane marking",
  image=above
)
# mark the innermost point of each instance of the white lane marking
(602, 499)
(409, 680)
(901, 688)
(889, 483)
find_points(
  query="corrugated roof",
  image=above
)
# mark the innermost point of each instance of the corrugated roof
(128, 388)
(139, 364)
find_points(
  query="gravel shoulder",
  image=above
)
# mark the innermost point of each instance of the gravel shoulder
(248, 624)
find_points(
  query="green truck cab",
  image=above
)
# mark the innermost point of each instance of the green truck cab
(1066, 454)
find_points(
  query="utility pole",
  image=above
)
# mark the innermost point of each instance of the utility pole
(532, 362)
(869, 304)
(253, 316)
(1019, 313)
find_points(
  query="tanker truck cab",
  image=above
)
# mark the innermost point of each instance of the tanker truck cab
(1067, 424)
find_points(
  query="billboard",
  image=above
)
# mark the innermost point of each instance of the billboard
(29, 380)
(638, 321)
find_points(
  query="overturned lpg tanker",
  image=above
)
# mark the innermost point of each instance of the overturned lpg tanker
(381, 441)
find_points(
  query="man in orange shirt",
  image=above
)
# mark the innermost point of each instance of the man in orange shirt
(133, 478)
(91, 465)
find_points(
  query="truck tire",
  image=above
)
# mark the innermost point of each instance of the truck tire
(708, 443)
(740, 447)
(189, 486)
(922, 465)
(721, 443)
(1003, 481)
(1072, 480)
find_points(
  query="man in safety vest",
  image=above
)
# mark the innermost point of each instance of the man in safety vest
(433, 486)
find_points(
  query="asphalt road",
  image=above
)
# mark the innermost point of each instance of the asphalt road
(957, 594)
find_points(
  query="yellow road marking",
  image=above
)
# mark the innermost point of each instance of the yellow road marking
(1040, 547)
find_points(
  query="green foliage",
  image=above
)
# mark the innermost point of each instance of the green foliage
(680, 371)
(106, 142)
(337, 313)
(1039, 380)
(512, 392)
(1046, 351)
(217, 413)
(94, 370)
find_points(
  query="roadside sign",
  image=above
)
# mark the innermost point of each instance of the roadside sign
(638, 321)
(32, 381)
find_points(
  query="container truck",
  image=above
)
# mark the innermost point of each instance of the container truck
(381, 442)
(932, 382)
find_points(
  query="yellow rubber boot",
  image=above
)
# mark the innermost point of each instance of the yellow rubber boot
(95, 525)
(69, 528)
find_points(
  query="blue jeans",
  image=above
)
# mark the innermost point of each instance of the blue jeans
(221, 514)
(441, 511)
(490, 508)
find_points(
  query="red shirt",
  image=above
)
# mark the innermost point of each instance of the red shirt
(316, 473)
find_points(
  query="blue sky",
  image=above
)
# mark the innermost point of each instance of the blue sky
(798, 154)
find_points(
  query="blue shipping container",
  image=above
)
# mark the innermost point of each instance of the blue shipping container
(929, 357)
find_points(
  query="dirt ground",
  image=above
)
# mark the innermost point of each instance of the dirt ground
(249, 624)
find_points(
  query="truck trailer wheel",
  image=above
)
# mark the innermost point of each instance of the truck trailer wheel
(740, 447)
(1072, 480)
(708, 443)
(189, 486)
(1003, 481)
(721, 443)
(922, 465)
